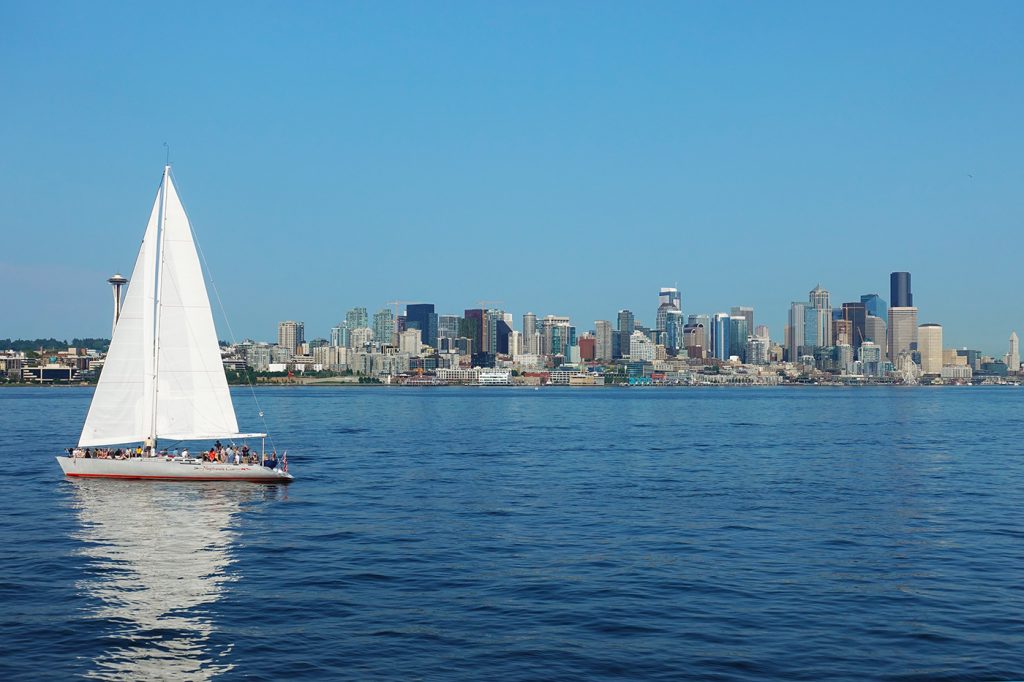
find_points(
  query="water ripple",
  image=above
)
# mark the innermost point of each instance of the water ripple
(727, 534)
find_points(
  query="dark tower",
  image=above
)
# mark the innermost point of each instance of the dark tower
(472, 327)
(899, 290)
(422, 316)
(626, 327)
(857, 314)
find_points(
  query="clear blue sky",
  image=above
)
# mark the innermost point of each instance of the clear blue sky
(565, 158)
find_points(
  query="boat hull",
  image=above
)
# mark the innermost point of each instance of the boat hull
(162, 469)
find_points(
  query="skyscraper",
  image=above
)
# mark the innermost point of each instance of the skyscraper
(738, 333)
(447, 326)
(929, 344)
(697, 336)
(625, 330)
(410, 340)
(720, 336)
(383, 326)
(817, 321)
(747, 313)
(473, 329)
(870, 356)
(875, 305)
(339, 335)
(900, 295)
(357, 318)
(673, 331)
(795, 329)
(819, 298)
(842, 332)
(588, 347)
(902, 332)
(856, 315)
(602, 340)
(670, 296)
(668, 299)
(557, 335)
(529, 333)
(641, 348)
(291, 335)
(498, 336)
(422, 316)
(875, 332)
(1013, 357)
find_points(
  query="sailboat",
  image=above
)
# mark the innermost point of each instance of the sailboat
(163, 378)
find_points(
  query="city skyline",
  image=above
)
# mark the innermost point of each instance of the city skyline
(373, 318)
(563, 159)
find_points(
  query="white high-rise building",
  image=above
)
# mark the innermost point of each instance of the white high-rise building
(291, 335)
(515, 343)
(529, 332)
(1013, 357)
(410, 341)
(360, 337)
(641, 347)
(757, 349)
(929, 345)
(902, 331)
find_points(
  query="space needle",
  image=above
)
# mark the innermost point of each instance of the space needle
(117, 281)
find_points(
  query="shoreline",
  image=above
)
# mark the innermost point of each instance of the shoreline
(353, 384)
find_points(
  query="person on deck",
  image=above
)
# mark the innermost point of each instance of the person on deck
(271, 462)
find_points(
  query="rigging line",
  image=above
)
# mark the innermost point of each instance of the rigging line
(231, 332)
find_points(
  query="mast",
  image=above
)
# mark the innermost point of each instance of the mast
(161, 235)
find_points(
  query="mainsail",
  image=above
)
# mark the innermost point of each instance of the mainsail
(163, 376)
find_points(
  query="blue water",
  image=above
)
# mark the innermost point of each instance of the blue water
(508, 534)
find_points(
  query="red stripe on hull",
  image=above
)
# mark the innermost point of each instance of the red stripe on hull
(182, 478)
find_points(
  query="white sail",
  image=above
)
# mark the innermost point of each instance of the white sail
(121, 409)
(165, 333)
(192, 397)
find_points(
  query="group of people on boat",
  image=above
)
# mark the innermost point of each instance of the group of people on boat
(217, 454)
(231, 454)
(111, 453)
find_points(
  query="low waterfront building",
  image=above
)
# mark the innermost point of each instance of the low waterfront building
(458, 375)
(11, 363)
(50, 373)
(495, 377)
(956, 373)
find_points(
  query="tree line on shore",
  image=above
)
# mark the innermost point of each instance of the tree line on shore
(32, 345)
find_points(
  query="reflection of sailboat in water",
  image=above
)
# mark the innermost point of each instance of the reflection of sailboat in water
(154, 582)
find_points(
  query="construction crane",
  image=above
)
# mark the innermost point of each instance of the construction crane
(398, 303)
(484, 304)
